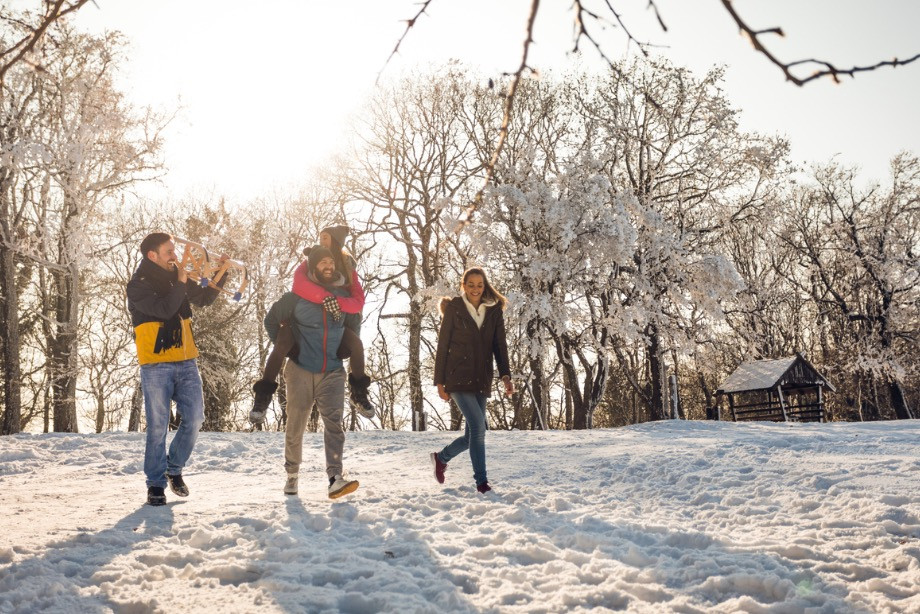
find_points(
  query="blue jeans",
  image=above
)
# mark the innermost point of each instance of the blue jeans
(473, 407)
(162, 383)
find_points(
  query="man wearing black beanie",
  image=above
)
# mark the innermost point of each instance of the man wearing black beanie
(317, 254)
(315, 375)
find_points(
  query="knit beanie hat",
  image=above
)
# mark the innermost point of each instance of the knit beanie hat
(316, 254)
(338, 234)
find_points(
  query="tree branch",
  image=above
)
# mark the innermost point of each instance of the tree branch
(829, 69)
(55, 11)
(409, 25)
(467, 217)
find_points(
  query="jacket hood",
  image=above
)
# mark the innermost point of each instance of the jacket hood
(461, 302)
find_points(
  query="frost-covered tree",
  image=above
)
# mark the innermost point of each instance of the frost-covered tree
(609, 201)
(557, 233)
(24, 33)
(859, 263)
(225, 331)
(672, 141)
(518, 235)
(108, 370)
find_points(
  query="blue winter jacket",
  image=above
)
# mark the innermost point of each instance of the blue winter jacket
(316, 333)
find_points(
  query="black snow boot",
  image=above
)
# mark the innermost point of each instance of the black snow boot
(357, 387)
(156, 495)
(177, 485)
(264, 390)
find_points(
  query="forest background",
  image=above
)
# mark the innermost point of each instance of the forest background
(637, 230)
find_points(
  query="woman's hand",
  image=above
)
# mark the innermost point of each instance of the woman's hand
(509, 386)
(443, 393)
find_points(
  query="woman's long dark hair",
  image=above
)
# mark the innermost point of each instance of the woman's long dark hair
(489, 293)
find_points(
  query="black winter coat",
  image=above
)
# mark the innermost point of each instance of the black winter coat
(464, 359)
(161, 314)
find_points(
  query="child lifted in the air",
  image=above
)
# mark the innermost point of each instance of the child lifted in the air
(332, 241)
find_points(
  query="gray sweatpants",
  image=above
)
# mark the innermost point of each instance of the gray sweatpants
(328, 390)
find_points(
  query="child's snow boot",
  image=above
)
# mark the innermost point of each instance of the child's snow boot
(357, 387)
(264, 389)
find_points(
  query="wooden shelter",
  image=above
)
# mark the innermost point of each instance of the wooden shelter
(780, 390)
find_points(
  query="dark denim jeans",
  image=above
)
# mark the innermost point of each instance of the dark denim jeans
(473, 407)
(162, 383)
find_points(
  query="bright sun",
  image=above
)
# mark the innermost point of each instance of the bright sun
(267, 90)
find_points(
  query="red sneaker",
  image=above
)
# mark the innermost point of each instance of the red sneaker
(439, 467)
(483, 488)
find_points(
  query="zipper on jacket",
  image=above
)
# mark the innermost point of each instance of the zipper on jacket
(325, 338)
(479, 357)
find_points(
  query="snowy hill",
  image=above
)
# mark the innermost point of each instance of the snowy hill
(673, 516)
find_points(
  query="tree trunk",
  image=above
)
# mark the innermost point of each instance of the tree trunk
(64, 350)
(567, 403)
(710, 403)
(570, 381)
(415, 363)
(598, 386)
(9, 299)
(579, 403)
(214, 405)
(653, 350)
(137, 400)
(100, 413)
(875, 411)
(9, 318)
(539, 414)
(901, 410)
(9, 323)
(46, 410)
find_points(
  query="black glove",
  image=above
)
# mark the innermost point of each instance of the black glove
(332, 306)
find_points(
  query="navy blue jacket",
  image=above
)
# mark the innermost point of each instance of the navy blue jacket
(316, 334)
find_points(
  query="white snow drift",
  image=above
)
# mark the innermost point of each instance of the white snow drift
(674, 516)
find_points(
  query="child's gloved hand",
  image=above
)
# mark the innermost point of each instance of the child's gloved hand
(332, 306)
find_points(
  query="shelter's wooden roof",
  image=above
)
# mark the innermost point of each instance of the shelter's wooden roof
(768, 374)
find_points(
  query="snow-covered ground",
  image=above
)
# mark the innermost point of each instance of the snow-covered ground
(672, 516)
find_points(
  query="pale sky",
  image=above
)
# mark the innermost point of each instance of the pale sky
(267, 87)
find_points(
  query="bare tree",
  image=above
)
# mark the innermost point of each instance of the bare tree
(589, 23)
(98, 147)
(412, 157)
(22, 36)
(108, 363)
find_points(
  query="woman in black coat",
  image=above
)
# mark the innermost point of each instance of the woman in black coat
(472, 334)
